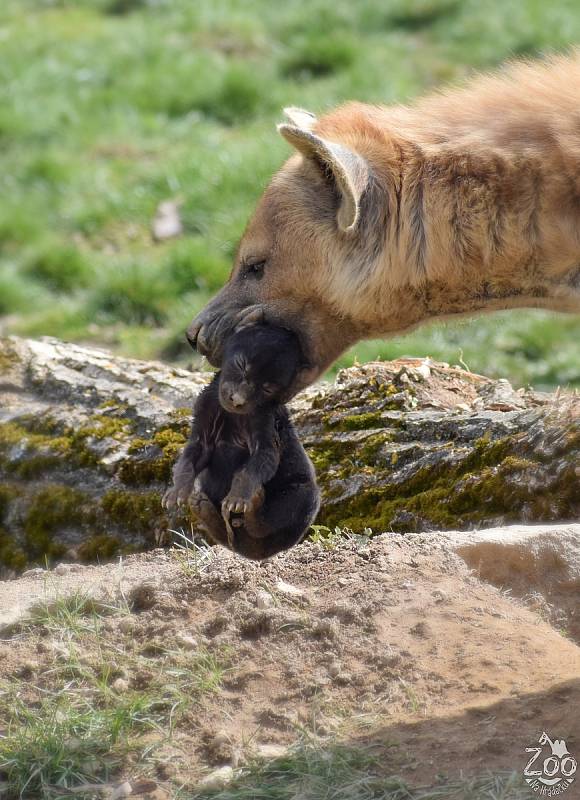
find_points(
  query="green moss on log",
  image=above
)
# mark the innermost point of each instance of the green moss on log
(50, 510)
(8, 357)
(136, 511)
(152, 460)
(492, 481)
(101, 546)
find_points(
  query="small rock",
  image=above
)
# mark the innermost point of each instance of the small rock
(143, 596)
(343, 581)
(186, 641)
(334, 669)
(423, 371)
(123, 790)
(120, 685)
(126, 625)
(271, 750)
(264, 599)
(64, 569)
(35, 572)
(219, 777)
(288, 589)
(345, 611)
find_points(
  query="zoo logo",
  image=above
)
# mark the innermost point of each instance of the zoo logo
(555, 774)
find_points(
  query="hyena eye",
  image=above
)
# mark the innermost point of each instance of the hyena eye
(254, 270)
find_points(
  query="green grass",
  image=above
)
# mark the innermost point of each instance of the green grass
(109, 107)
(68, 724)
(340, 772)
(66, 741)
(71, 615)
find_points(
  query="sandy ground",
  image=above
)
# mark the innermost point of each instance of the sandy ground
(396, 642)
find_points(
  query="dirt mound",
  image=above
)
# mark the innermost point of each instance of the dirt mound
(392, 642)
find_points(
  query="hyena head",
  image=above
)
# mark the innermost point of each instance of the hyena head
(306, 253)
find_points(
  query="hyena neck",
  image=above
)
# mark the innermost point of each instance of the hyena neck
(477, 231)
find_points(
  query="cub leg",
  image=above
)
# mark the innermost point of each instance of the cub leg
(209, 517)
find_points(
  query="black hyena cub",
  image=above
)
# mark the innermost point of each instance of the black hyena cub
(244, 471)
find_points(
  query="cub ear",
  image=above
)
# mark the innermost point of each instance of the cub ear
(350, 171)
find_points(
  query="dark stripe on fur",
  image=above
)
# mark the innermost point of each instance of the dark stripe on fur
(416, 213)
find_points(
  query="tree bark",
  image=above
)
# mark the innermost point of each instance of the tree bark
(88, 440)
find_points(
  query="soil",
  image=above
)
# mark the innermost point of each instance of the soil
(394, 642)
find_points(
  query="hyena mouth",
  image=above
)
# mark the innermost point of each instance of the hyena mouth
(208, 333)
(201, 336)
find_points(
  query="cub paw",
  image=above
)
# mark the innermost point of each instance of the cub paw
(177, 496)
(169, 500)
(234, 505)
(238, 503)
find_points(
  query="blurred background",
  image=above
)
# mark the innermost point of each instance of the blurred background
(137, 135)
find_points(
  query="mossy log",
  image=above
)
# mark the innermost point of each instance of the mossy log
(88, 439)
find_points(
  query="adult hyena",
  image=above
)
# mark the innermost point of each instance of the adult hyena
(385, 217)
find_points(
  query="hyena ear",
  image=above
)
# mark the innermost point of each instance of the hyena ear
(351, 173)
(300, 117)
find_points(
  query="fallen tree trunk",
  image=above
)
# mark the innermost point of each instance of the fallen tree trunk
(87, 442)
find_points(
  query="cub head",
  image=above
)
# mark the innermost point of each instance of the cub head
(259, 366)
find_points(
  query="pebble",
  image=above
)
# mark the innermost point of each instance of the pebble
(334, 669)
(120, 685)
(287, 588)
(35, 572)
(219, 777)
(264, 600)
(186, 641)
(64, 569)
(144, 595)
(123, 790)
(126, 625)
(270, 750)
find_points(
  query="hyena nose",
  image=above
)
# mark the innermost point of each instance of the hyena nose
(192, 334)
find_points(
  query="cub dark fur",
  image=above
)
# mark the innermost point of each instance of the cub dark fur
(244, 470)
